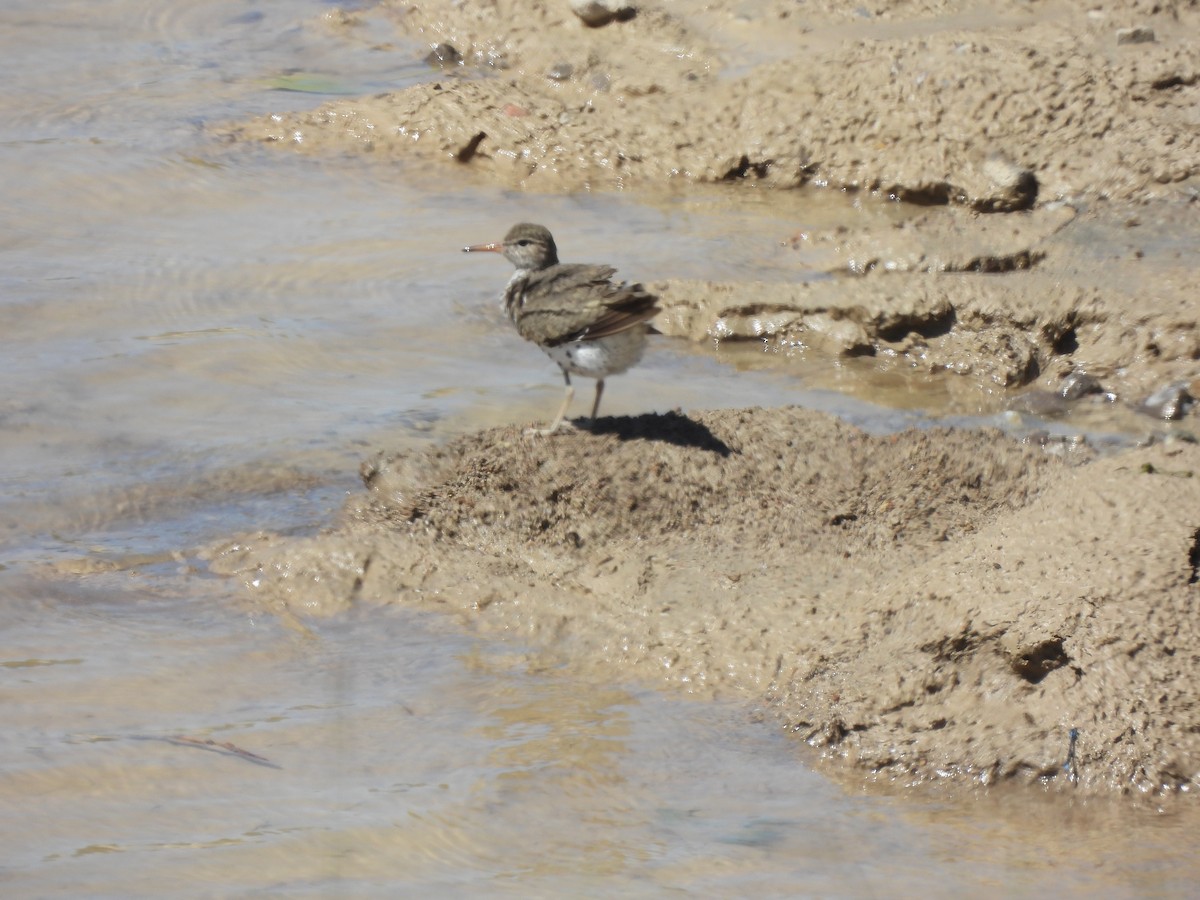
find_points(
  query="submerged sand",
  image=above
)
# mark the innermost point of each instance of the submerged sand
(937, 604)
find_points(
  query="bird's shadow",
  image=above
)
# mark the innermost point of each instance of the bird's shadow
(669, 428)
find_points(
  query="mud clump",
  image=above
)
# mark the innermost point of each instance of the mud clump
(671, 477)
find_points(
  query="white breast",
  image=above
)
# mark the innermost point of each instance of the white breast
(601, 357)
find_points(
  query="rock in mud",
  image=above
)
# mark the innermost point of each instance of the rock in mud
(597, 13)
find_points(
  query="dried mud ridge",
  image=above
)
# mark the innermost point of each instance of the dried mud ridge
(995, 116)
(925, 606)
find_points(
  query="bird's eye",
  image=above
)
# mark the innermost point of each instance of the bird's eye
(524, 242)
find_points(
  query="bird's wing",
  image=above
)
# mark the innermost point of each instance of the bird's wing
(576, 302)
(631, 305)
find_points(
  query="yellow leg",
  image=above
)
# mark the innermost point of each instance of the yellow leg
(562, 412)
(596, 403)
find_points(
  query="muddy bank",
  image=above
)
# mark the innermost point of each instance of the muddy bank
(1058, 150)
(994, 112)
(1025, 300)
(929, 605)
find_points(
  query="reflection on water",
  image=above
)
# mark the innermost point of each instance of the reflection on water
(203, 340)
(407, 758)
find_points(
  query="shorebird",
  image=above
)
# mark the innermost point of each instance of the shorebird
(584, 321)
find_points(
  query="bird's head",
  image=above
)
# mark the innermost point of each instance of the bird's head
(526, 246)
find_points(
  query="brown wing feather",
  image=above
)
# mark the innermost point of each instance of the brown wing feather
(638, 308)
(573, 302)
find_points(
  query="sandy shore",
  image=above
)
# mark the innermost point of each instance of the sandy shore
(928, 605)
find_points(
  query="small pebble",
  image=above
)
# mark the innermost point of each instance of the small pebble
(1169, 402)
(1013, 186)
(444, 55)
(1139, 35)
(561, 71)
(596, 13)
(1078, 384)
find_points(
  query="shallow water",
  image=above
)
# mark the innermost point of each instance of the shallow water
(200, 341)
(401, 757)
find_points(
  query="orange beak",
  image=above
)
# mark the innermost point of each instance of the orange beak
(497, 247)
